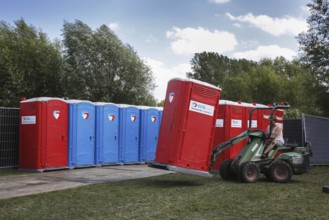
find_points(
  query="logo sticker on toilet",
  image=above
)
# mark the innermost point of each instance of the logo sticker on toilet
(56, 114)
(111, 117)
(29, 120)
(171, 97)
(153, 118)
(85, 115)
(236, 123)
(133, 118)
(201, 108)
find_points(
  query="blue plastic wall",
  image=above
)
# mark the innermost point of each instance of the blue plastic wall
(129, 134)
(81, 134)
(107, 134)
(149, 133)
(160, 109)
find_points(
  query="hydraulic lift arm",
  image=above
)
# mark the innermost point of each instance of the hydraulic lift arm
(225, 145)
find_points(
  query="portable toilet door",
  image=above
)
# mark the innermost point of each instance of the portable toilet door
(221, 129)
(43, 134)
(254, 118)
(236, 117)
(229, 123)
(129, 134)
(149, 133)
(107, 134)
(81, 133)
(187, 127)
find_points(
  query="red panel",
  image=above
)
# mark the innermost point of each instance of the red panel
(230, 123)
(29, 157)
(57, 128)
(43, 133)
(187, 125)
(263, 119)
(237, 127)
(172, 123)
(254, 120)
(221, 131)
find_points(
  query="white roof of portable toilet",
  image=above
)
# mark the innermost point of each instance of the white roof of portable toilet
(42, 99)
(197, 82)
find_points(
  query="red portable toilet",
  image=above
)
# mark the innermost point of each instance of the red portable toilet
(230, 122)
(187, 126)
(256, 122)
(43, 133)
(263, 118)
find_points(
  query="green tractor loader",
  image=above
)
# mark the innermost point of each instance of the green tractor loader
(279, 166)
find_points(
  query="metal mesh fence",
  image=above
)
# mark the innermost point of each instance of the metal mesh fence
(316, 132)
(9, 137)
(293, 131)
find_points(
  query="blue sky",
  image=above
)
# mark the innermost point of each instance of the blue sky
(167, 33)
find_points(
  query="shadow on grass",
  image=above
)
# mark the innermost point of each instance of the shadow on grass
(172, 183)
(265, 180)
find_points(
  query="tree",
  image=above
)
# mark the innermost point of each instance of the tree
(298, 85)
(264, 82)
(314, 47)
(214, 68)
(209, 67)
(98, 67)
(29, 64)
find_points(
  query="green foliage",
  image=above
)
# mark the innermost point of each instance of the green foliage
(98, 67)
(292, 113)
(93, 65)
(214, 68)
(161, 103)
(29, 64)
(314, 46)
(264, 82)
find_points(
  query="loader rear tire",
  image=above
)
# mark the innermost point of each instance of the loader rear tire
(225, 171)
(248, 172)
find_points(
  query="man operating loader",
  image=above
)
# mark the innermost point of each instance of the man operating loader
(275, 136)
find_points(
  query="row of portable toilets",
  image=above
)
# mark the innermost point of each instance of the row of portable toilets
(57, 133)
(187, 139)
(233, 118)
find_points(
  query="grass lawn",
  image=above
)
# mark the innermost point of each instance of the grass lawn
(11, 171)
(180, 196)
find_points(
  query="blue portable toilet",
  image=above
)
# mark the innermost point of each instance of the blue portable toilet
(160, 109)
(81, 133)
(129, 134)
(107, 133)
(149, 133)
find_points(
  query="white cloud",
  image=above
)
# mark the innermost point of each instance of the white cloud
(196, 40)
(163, 74)
(238, 25)
(270, 51)
(114, 26)
(219, 1)
(151, 38)
(276, 26)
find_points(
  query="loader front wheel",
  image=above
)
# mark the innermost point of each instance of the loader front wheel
(248, 172)
(280, 172)
(225, 170)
